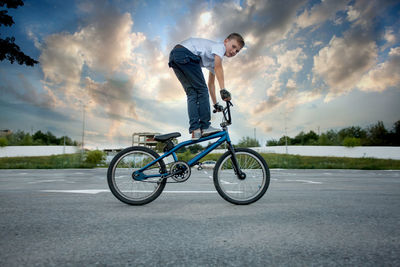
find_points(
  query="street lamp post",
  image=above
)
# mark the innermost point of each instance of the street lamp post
(83, 131)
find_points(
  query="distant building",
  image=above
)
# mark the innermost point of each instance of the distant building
(144, 139)
(5, 132)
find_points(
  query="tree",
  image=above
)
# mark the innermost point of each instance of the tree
(27, 140)
(194, 149)
(378, 135)
(65, 140)
(285, 140)
(272, 142)
(395, 134)
(40, 138)
(310, 138)
(95, 157)
(8, 49)
(52, 139)
(353, 132)
(248, 142)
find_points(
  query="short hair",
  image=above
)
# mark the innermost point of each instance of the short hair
(237, 37)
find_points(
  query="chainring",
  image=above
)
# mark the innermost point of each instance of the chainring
(180, 171)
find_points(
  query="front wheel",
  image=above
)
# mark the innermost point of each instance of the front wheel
(251, 186)
(121, 182)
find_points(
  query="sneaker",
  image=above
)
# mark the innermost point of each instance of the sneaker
(210, 130)
(196, 134)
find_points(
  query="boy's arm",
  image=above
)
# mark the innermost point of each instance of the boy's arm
(211, 87)
(219, 71)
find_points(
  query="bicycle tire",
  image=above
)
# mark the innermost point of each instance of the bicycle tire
(120, 172)
(231, 188)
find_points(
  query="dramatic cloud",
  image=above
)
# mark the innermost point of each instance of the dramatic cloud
(103, 45)
(115, 97)
(24, 91)
(384, 75)
(287, 63)
(343, 62)
(319, 13)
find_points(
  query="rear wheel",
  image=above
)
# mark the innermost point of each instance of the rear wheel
(124, 187)
(247, 189)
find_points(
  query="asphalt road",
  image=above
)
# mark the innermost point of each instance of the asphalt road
(306, 218)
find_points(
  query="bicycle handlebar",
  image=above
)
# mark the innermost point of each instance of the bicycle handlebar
(227, 114)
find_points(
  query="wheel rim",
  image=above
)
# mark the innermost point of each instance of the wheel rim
(123, 181)
(250, 187)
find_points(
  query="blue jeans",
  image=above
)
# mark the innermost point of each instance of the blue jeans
(186, 66)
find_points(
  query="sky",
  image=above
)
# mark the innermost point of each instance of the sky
(306, 65)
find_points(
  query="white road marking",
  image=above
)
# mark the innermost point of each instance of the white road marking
(88, 191)
(304, 181)
(46, 181)
(225, 182)
(96, 191)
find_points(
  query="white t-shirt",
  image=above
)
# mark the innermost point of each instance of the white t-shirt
(206, 50)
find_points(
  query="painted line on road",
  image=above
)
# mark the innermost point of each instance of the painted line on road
(46, 181)
(88, 191)
(97, 191)
(304, 181)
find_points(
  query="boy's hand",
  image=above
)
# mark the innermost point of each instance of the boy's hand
(218, 107)
(225, 95)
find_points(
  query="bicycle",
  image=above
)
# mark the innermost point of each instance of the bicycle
(137, 175)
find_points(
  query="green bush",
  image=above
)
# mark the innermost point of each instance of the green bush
(3, 142)
(95, 157)
(352, 142)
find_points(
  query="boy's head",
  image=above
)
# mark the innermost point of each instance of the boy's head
(233, 43)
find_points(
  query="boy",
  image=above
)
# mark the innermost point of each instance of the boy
(186, 59)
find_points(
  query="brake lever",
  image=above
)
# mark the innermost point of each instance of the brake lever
(228, 104)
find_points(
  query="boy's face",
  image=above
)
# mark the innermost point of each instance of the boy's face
(232, 47)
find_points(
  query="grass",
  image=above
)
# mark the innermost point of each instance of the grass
(306, 162)
(284, 161)
(274, 161)
(45, 162)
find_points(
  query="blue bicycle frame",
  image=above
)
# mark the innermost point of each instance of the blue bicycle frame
(223, 137)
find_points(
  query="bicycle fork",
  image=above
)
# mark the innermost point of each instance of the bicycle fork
(240, 175)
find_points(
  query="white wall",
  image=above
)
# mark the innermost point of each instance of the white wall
(30, 151)
(334, 151)
(380, 152)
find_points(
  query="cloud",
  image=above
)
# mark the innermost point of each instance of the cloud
(24, 91)
(104, 45)
(365, 12)
(61, 59)
(115, 97)
(169, 89)
(262, 22)
(289, 62)
(343, 61)
(319, 13)
(384, 75)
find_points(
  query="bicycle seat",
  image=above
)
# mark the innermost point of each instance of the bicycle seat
(166, 137)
